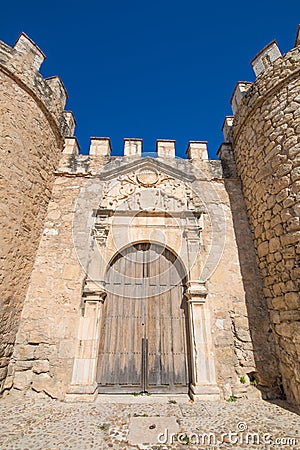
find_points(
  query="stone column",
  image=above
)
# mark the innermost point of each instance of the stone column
(83, 385)
(203, 385)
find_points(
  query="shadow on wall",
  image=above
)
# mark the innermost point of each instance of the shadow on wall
(268, 377)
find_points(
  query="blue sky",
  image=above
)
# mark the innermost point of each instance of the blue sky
(151, 69)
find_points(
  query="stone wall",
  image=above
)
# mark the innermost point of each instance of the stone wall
(32, 127)
(47, 342)
(266, 143)
(39, 261)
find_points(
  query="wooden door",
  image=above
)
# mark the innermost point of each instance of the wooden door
(143, 343)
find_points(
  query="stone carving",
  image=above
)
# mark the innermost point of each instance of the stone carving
(149, 189)
(147, 177)
(101, 229)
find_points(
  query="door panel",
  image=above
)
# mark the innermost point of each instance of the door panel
(143, 334)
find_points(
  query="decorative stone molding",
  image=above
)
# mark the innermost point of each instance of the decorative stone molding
(101, 229)
(129, 192)
(196, 292)
(83, 386)
(204, 384)
(193, 227)
(94, 291)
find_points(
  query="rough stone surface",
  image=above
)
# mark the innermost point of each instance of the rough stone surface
(243, 298)
(47, 340)
(266, 143)
(31, 141)
(109, 423)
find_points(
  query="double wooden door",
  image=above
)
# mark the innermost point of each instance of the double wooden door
(143, 342)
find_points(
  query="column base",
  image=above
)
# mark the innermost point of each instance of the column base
(82, 393)
(204, 392)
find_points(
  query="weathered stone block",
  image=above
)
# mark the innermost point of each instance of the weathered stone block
(274, 245)
(263, 249)
(40, 381)
(20, 366)
(292, 300)
(23, 380)
(41, 366)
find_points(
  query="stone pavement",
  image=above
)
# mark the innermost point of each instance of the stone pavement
(135, 422)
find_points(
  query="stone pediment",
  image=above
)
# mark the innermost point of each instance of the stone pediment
(175, 167)
(148, 185)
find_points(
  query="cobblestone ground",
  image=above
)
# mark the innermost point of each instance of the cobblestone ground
(40, 423)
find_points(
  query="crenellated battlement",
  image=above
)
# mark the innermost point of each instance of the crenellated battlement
(270, 68)
(239, 92)
(265, 58)
(70, 216)
(100, 153)
(22, 63)
(101, 147)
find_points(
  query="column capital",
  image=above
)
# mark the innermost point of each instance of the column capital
(94, 291)
(196, 291)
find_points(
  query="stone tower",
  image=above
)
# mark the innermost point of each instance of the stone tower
(264, 138)
(32, 129)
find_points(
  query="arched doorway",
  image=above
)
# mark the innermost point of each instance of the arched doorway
(143, 340)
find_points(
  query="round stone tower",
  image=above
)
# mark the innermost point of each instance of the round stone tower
(32, 129)
(265, 137)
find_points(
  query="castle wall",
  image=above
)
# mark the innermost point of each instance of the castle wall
(53, 330)
(46, 341)
(48, 242)
(242, 333)
(266, 143)
(31, 139)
